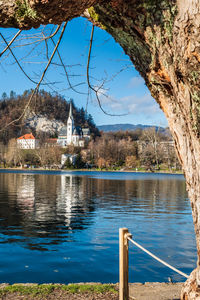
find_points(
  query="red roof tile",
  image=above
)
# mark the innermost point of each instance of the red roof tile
(27, 136)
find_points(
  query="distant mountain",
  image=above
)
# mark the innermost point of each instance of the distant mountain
(124, 127)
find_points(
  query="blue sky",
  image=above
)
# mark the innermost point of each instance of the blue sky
(126, 93)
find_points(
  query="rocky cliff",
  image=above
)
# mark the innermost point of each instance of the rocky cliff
(41, 123)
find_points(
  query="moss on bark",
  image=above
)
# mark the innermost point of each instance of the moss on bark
(24, 11)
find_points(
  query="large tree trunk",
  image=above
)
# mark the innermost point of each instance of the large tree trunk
(162, 38)
(188, 146)
(164, 45)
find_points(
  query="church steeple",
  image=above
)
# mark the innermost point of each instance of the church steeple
(70, 110)
(70, 125)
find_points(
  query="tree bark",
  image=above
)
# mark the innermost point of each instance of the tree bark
(162, 39)
(26, 14)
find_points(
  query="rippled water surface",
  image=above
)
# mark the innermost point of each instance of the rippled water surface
(63, 226)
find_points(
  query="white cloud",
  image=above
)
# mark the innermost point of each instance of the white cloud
(133, 104)
(105, 99)
(136, 81)
(138, 107)
(144, 104)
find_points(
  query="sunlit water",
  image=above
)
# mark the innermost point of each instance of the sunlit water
(63, 226)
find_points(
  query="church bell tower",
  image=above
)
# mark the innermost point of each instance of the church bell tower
(70, 125)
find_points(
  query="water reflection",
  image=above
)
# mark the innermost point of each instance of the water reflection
(72, 207)
(43, 207)
(71, 215)
(151, 195)
(45, 202)
(26, 193)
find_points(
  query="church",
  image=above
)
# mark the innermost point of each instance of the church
(71, 135)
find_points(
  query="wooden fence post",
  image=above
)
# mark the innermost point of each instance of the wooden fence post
(123, 264)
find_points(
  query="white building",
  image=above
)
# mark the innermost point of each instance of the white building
(27, 141)
(71, 157)
(71, 135)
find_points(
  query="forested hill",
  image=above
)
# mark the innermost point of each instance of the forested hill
(45, 106)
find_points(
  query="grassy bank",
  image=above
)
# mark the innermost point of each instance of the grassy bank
(42, 291)
(90, 291)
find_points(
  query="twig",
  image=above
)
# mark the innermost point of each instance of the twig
(88, 77)
(10, 43)
(15, 58)
(66, 73)
(19, 65)
(40, 40)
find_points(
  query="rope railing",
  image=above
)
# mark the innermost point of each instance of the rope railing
(157, 258)
(124, 237)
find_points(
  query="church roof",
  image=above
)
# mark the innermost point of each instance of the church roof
(63, 131)
(28, 136)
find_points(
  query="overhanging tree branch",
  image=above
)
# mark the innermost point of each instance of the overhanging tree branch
(96, 91)
(10, 43)
(42, 77)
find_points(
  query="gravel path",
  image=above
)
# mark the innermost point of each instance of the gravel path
(155, 291)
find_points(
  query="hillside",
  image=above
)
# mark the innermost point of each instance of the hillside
(46, 114)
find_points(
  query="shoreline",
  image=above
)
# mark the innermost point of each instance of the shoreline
(92, 290)
(94, 170)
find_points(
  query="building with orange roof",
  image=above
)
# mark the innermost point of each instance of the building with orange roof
(27, 141)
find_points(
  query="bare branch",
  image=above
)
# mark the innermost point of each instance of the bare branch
(47, 48)
(96, 91)
(39, 83)
(15, 58)
(10, 43)
(78, 84)
(66, 73)
(88, 97)
(119, 72)
(40, 40)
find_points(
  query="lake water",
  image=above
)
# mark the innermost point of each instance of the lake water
(63, 226)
